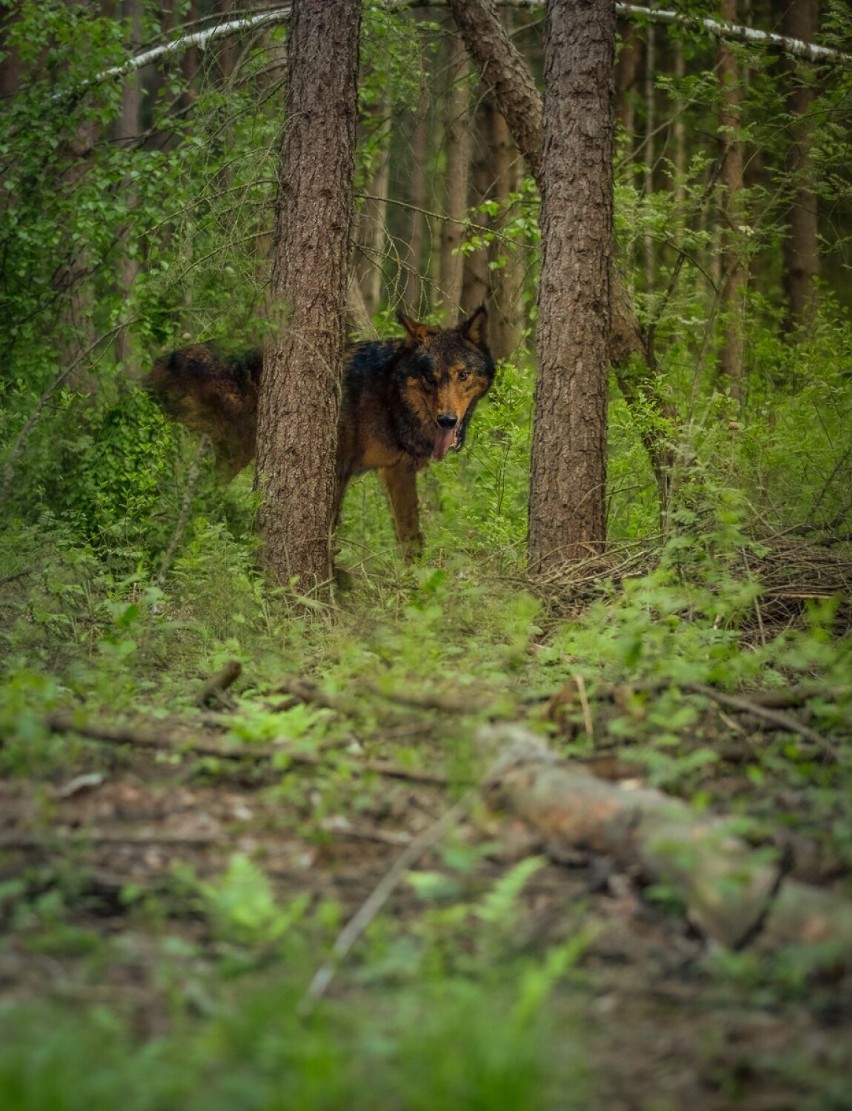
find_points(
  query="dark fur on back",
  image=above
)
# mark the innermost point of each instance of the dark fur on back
(405, 402)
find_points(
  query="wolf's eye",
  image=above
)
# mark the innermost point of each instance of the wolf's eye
(463, 375)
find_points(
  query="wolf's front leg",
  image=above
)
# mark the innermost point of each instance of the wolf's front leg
(401, 485)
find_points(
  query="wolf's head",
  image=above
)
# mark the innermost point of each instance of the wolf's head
(447, 371)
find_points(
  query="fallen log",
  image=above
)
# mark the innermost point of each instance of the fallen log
(734, 893)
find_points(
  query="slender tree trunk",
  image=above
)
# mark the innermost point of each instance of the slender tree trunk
(475, 282)
(127, 132)
(372, 220)
(505, 72)
(649, 246)
(11, 67)
(567, 495)
(733, 273)
(626, 74)
(492, 274)
(679, 133)
(299, 399)
(416, 258)
(507, 279)
(72, 280)
(456, 177)
(800, 20)
(189, 63)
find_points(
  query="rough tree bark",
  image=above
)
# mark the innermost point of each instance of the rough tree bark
(567, 495)
(507, 74)
(299, 399)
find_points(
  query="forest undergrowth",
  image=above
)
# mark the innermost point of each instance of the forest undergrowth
(205, 779)
(459, 837)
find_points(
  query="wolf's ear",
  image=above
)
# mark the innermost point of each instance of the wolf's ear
(475, 328)
(418, 332)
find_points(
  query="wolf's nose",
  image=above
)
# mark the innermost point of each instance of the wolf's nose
(447, 420)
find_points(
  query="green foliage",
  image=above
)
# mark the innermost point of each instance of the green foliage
(243, 906)
(439, 1046)
(109, 606)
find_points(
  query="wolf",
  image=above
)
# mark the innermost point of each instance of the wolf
(405, 403)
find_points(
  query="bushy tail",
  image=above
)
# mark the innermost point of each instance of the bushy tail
(212, 393)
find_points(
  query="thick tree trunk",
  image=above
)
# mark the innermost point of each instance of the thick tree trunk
(799, 20)
(567, 502)
(299, 400)
(11, 67)
(505, 72)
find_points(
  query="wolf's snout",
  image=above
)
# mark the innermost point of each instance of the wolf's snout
(447, 420)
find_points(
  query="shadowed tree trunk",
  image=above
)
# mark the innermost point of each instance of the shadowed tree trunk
(508, 278)
(299, 399)
(373, 218)
(732, 267)
(505, 72)
(11, 67)
(456, 177)
(413, 298)
(649, 246)
(567, 502)
(493, 273)
(476, 284)
(127, 131)
(801, 258)
(626, 75)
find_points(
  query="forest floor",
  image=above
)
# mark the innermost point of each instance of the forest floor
(658, 1026)
(172, 868)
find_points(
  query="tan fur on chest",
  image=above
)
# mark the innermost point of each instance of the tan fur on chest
(375, 456)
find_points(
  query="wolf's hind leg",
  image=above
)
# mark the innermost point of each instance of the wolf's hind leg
(401, 485)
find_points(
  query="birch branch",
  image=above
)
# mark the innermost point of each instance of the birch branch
(810, 51)
(201, 39)
(795, 47)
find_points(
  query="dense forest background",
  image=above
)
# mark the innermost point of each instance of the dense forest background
(205, 776)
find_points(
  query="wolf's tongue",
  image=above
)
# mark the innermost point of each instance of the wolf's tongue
(443, 442)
